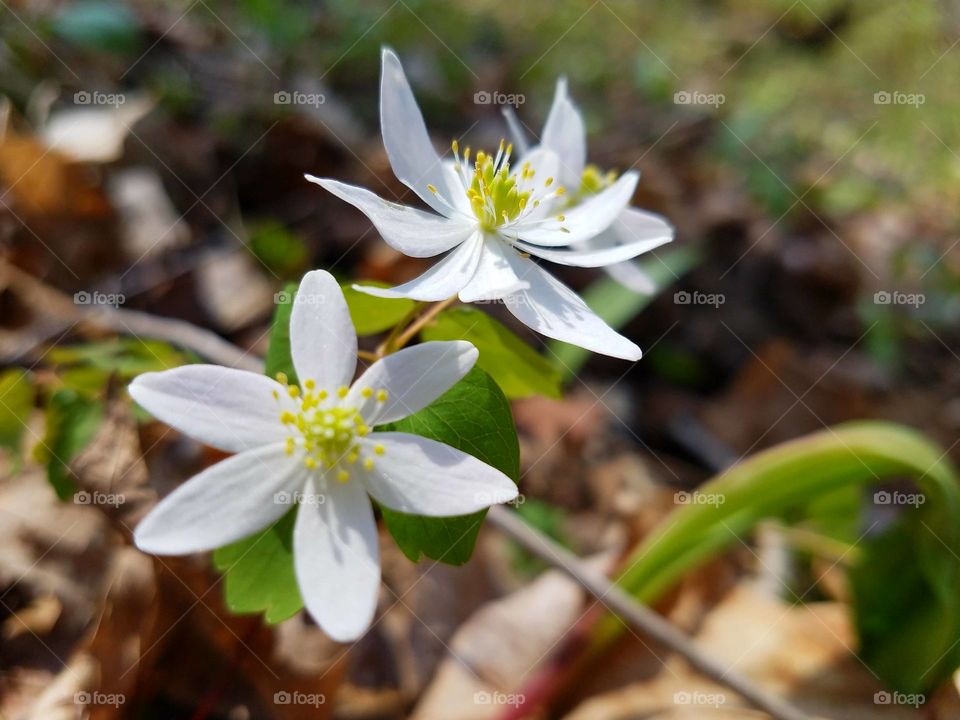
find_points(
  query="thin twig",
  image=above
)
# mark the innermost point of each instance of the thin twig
(213, 347)
(639, 616)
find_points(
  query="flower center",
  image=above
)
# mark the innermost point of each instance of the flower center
(497, 194)
(326, 432)
(593, 180)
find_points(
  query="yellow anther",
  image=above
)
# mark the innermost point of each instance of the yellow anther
(561, 191)
(561, 218)
(342, 391)
(276, 395)
(310, 384)
(287, 417)
(432, 188)
(379, 449)
(282, 378)
(381, 395)
(310, 462)
(367, 392)
(342, 476)
(455, 145)
(368, 464)
(353, 457)
(548, 182)
(322, 395)
(293, 391)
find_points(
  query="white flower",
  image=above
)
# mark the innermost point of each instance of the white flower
(315, 443)
(492, 216)
(565, 134)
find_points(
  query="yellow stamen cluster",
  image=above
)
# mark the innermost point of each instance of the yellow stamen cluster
(594, 180)
(326, 432)
(497, 195)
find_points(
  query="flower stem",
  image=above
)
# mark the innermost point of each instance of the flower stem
(386, 347)
(401, 335)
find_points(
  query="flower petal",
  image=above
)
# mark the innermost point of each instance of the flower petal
(232, 410)
(632, 276)
(442, 281)
(425, 477)
(554, 310)
(412, 378)
(638, 225)
(224, 503)
(585, 220)
(412, 156)
(494, 276)
(323, 343)
(405, 229)
(517, 134)
(337, 559)
(615, 244)
(564, 133)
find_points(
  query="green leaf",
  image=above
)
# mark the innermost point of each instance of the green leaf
(372, 315)
(518, 369)
(259, 574)
(126, 357)
(906, 581)
(617, 305)
(906, 605)
(473, 416)
(16, 402)
(278, 359)
(72, 421)
(284, 253)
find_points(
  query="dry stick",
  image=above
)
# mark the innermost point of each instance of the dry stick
(642, 618)
(639, 616)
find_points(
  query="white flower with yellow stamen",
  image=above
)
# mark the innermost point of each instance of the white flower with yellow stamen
(315, 443)
(564, 133)
(492, 216)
